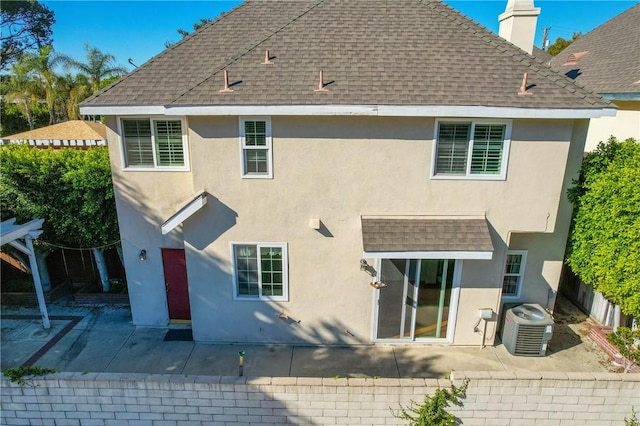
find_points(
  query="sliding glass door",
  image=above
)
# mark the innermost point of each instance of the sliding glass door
(416, 301)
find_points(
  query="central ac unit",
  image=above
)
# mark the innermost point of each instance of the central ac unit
(526, 330)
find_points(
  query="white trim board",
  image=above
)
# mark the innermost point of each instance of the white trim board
(364, 110)
(184, 213)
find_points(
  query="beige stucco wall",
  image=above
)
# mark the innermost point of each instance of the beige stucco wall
(144, 200)
(625, 124)
(337, 169)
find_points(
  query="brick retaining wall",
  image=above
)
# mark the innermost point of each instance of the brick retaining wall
(493, 398)
(599, 335)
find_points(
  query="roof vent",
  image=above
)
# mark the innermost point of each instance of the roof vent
(226, 88)
(267, 58)
(321, 85)
(574, 58)
(523, 86)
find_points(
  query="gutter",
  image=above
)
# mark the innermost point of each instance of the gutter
(437, 111)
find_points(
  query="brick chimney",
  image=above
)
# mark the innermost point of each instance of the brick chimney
(518, 23)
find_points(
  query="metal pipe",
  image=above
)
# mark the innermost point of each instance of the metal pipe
(241, 363)
(484, 334)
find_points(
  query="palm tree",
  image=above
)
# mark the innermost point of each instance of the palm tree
(71, 90)
(42, 64)
(97, 67)
(21, 88)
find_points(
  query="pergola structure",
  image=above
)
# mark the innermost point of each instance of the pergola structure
(21, 237)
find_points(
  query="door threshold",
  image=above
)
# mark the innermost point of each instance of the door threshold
(179, 322)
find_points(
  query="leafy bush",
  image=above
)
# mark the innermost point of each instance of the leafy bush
(604, 245)
(626, 340)
(432, 411)
(24, 375)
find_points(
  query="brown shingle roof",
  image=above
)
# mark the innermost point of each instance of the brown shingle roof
(68, 130)
(390, 235)
(612, 61)
(381, 52)
(543, 55)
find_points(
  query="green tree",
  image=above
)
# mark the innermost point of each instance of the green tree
(108, 81)
(42, 64)
(626, 341)
(70, 91)
(560, 44)
(14, 121)
(71, 189)
(22, 88)
(196, 27)
(604, 245)
(97, 67)
(24, 25)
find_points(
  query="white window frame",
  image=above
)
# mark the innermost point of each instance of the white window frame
(285, 272)
(268, 148)
(468, 175)
(523, 264)
(155, 167)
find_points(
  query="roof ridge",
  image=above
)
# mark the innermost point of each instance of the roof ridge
(247, 50)
(545, 71)
(596, 32)
(166, 51)
(607, 67)
(421, 54)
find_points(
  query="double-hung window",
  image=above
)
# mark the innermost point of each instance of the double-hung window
(513, 273)
(260, 271)
(255, 145)
(154, 143)
(473, 150)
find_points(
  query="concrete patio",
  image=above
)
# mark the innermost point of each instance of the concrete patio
(103, 339)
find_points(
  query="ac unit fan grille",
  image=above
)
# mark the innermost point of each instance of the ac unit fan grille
(529, 340)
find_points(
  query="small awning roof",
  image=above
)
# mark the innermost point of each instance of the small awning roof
(422, 237)
(184, 213)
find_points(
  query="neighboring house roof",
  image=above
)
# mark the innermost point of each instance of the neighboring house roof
(611, 64)
(543, 55)
(384, 52)
(75, 133)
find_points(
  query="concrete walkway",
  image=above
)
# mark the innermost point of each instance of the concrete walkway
(103, 339)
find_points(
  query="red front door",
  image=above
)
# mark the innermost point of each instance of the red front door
(175, 277)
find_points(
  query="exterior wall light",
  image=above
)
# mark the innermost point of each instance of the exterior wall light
(363, 265)
(143, 255)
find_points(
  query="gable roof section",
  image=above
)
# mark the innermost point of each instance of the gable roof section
(414, 53)
(612, 62)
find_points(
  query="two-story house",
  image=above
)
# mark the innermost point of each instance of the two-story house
(606, 61)
(342, 172)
